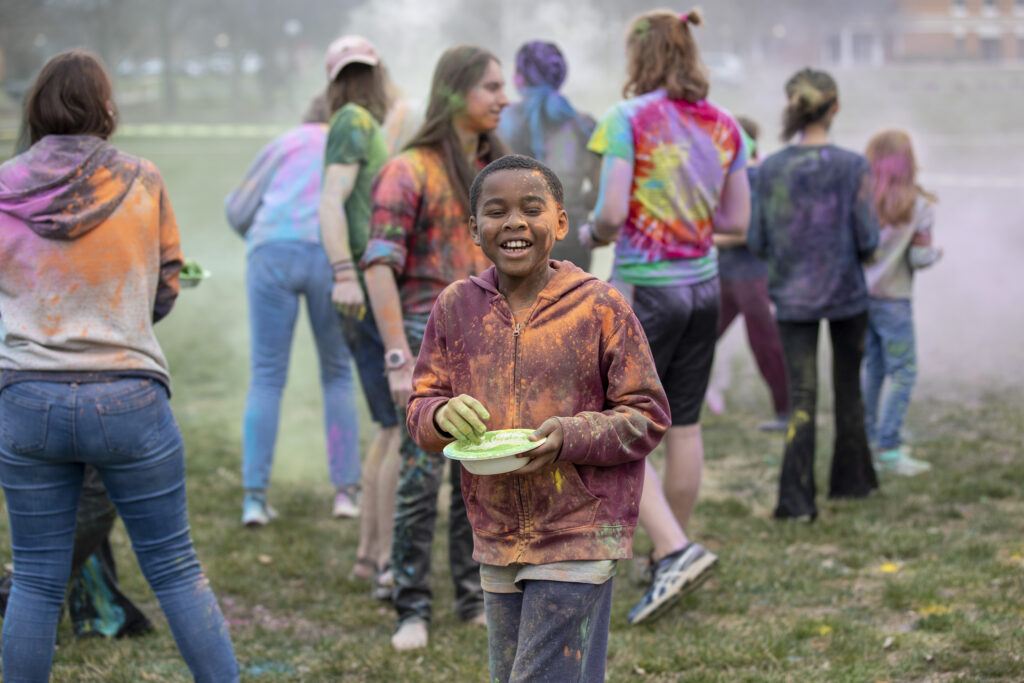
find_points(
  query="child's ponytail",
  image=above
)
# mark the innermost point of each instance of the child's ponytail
(810, 95)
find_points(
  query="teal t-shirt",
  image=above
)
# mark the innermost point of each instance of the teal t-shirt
(355, 137)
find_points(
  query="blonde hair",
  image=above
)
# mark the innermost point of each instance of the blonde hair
(662, 53)
(894, 176)
(810, 95)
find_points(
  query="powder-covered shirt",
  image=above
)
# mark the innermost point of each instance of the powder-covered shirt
(890, 273)
(420, 229)
(279, 197)
(89, 259)
(815, 224)
(580, 356)
(565, 153)
(355, 137)
(681, 153)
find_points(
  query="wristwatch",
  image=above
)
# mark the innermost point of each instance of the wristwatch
(395, 359)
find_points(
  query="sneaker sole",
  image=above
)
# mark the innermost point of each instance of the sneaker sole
(702, 566)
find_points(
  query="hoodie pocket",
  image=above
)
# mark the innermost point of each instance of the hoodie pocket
(559, 500)
(492, 504)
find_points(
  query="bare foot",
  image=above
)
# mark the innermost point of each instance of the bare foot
(479, 620)
(412, 635)
(363, 569)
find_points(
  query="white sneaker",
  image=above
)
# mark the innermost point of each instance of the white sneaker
(344, 506)
(897, 461)
(256, 511)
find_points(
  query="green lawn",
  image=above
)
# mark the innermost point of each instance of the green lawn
(924, 581)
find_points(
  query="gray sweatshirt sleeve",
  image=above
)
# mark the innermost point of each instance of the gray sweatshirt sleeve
(244, 201)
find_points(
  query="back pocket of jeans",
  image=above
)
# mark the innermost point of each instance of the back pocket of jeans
(131, 421)
(23, 422)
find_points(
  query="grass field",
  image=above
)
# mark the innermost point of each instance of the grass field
(924, 581)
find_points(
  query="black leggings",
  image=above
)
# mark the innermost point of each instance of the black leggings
(853, 475)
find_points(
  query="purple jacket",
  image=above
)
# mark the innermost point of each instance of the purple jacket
(581, 356)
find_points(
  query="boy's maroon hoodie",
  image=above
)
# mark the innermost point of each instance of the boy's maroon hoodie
(580, 356)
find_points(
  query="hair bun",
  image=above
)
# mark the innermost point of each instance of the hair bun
(693, 17)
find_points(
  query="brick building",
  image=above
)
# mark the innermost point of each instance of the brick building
(985, 30)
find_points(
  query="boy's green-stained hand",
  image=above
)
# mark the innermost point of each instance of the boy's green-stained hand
(547, 452)
(463, 417)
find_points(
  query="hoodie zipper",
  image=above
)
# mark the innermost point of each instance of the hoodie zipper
(517, 328)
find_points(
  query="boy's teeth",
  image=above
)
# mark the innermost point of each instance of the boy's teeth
(516, 244)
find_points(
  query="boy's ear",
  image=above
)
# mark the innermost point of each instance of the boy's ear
(474, 230)
(562, 229)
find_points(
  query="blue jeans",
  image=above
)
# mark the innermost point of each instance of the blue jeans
(889, 351)
(552, 631)
(49, 431)
(278, 273)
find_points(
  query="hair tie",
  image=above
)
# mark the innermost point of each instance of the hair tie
(684, 17)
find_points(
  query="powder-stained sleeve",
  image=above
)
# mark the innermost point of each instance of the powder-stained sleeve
(614, 135)
(349, 137)
(431, 385)
(396, 199)
(170, 257)
(636, 415)
(865, 220)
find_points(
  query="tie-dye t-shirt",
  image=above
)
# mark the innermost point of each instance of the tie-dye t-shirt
(279, 197)
(815, 224)
(355, 137)
(421, 229)
(681, 154)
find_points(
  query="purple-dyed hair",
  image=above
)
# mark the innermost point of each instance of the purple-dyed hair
(541, 63)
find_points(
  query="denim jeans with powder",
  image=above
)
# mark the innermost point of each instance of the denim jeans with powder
(279, 274)
(49, 432)
(551, 631)
(890, 351)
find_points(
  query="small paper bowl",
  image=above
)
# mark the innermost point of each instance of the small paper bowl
(190, 282)
(496, 454)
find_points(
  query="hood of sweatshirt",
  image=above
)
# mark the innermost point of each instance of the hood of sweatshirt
(566, 278)
(65, 185)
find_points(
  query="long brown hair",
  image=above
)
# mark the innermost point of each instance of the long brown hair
(71, 96)
(364, 85)
(894, 174)
(457, 71)
(810, 95)
(662, 53)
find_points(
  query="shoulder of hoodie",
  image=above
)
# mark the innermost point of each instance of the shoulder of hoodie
(148, 174)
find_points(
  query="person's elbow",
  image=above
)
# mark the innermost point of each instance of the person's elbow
(613, 215)
(733, 222)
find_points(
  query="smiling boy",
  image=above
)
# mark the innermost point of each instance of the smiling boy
(535, 343)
